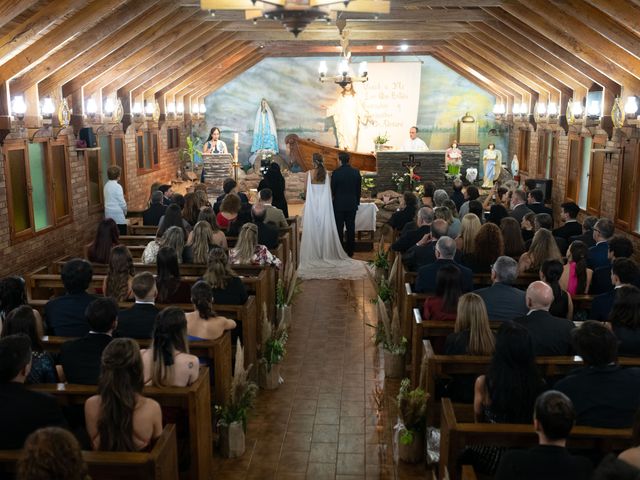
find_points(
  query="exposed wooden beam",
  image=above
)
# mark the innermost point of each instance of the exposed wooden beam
(9, 9)
(352, 27)
(625, 13)
(118, 27)
(283, 35)
(233, 72)
(453, 3)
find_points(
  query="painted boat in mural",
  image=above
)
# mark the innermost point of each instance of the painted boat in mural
(301, 151)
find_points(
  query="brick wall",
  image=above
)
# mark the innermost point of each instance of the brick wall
(41, 250)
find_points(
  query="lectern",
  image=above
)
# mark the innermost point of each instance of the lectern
(217, 167)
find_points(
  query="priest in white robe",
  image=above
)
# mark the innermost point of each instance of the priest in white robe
(414, 144)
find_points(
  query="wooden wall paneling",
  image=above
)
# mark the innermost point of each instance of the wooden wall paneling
(596, 176)
(574, 166)
(9, 9)
(628, 183)
(86, 48)
(625, 13)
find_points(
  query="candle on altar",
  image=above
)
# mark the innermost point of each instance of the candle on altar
(235, 139)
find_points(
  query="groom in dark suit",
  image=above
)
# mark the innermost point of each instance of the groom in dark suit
(345, 187)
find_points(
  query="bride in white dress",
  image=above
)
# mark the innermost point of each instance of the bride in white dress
(321, 253)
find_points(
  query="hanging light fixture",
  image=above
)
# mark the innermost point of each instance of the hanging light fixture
(344, 77)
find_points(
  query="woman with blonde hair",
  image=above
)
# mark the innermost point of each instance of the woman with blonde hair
(472, 334)
(168, 362)
(469, 228)
(200, 241)
(248, 250)
(172, 238)
(228, 288)
(117, 283)
(208, 215)
(445, 214)
(543, 247)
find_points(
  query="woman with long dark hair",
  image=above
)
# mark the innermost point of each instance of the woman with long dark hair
(13, 295)
(489, 245)
(173, 218)
(512, 236)
(274, 180)
(117, 283)
(625, 320)
(191, 208)
(213, 143)
(168, 362)
(444, 305)
(170, 288)
(203, 323)
(107, 237)
(120, 418)
(550, 273)
(405, 214)
(576, 277)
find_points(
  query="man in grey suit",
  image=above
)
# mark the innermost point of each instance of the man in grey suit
(503, 301)
(519, 205)
(273, 214)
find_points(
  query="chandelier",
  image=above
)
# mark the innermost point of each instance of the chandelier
(344, 77)
(296, 15)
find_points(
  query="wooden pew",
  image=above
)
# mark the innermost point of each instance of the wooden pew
(142, 230)
(216, 352)
(161, 463)
(457, 430)
(194, 401)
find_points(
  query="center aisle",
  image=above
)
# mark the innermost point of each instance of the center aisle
(322, 423)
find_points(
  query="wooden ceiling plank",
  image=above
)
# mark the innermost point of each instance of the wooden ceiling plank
(230, 71)
(235, 71)
(427, 16)
(283, 35)
(452, 3)
(624, 13)
(84, 48)
(82, 20)
(10, 9)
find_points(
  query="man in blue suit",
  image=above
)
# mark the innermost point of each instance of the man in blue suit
(623, 272)
(599, 253)
(504, 302)
(346, 184)
(427, 275)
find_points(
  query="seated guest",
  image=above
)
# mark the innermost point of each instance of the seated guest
(569, 215)
(439, 197)
(21, 320)
(576, 277)
(267, 234)
(153, 214)
(203, 202)
(445, 251)
(496, 214)
(406, 213)
(553, 419)
(409, 238)
(535, 202)
(173, 218)
(228, 288)
(423, 252)
(619, 247)
(527, 227)
(543, 247)
(471, 333)
(274, 181)
(117, 283)
(200, 241)
(471, 193)
(119, 418)
(178, 199)
(168, 363)
(587, 232)
(52, 453)
(512, 236)
(191, 208)
(203, 323)
(599, 253)
(625, 320)
(550, 335)
(457, 196)
(207, 214)
(23, 411)
(13, 295)
(475, 207)
(107, 237)
(498, 196)
(429, 191)
(445, 214)
(166, 194)
(466, 241)
(613, 468)
(503, 301)
(138, 320)
(444, 305)
(173, 238)
(249, 251)
(229, 186)
(170, 287)
(603, 393)
(229, 208)
(489, 245)
(519, 206)
(273, 215)
(562, 305)
(65, 315)
(544, 220)
(244, 216)
(623, 272)
(80, 359)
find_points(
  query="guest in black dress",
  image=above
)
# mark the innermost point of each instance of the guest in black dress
(228, 288)
(170, 288)
(550, 273)
(625, 320)
(406, 214)
(274, 180)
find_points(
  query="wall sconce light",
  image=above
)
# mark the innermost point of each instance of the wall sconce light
(47, 109)
(171, 108)
(631, 107)
(180, 108)
(148, 109)
(577, 109)
(552, 110)
(91, 108)
(18, 107)
(499, 110)
(203, 108)
(594, 110)
(137, 109)
(109, 106)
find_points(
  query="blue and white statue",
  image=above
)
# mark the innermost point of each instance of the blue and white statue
(265, 136)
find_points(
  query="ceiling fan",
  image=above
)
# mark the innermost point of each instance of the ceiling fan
(295, 15)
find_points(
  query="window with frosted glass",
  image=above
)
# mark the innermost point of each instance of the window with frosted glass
(154, 149)
(105, 155)
(94, 183)
(148, 150)
(596, 174)
(39, 189)
(573, 171)
(60, 181)
(19, 190)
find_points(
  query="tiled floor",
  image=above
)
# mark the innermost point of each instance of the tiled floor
(322, 422)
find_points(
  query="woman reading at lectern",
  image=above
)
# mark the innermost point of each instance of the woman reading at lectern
(214, 144)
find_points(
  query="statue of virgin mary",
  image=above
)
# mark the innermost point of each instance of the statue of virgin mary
(265, 136)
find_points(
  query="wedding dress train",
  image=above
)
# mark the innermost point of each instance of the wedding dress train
(321, 254)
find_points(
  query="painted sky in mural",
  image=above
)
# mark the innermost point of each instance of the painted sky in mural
(299, 102)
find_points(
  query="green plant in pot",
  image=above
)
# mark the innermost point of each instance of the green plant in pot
(187, 154)
(232, 417)
(272, 351)
(412, 422)
(380, 262)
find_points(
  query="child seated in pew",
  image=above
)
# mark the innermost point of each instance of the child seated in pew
(117, 282)
(203, 323)
(228, 288)
(120, 418)
(248, 250)
(168, 363)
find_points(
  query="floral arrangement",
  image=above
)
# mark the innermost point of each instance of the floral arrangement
(388, 332)
(412, 179)
(242, 395)
(381, 257)
(288, 286)
(274, 341)
(381, 139)
(412, 408)
(368, 184)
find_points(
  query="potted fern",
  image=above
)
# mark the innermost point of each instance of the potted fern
(286, 289)
(233, 416)
(272, 349)
(189, 153)
(393, 343)
(412, 422)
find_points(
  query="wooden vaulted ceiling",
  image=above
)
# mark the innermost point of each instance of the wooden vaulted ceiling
(166, 50)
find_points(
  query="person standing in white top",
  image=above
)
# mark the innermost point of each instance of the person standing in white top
(414, 144)
(115, 206)
(214, 144)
